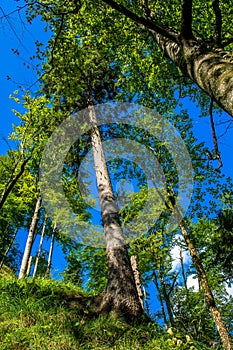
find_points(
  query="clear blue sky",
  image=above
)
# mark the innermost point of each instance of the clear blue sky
(16, 34)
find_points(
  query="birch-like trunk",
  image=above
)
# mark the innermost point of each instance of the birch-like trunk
(47, 273)
(120, 297)
(136, 274)
(40, 247)
(29, 243)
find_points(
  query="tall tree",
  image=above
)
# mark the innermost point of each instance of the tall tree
(195, 37)
(29, 242)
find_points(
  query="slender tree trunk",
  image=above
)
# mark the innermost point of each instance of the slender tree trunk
(182, 269)
(136, 273)
(40, 247)
(28, 246)
(166, 296)
(8, 249)
(160, 299)
(29, 266)
(10, 185)
(222, 329)
(120, 297)
(47, 273)
(202, 277)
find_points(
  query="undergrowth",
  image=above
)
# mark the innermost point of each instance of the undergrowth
(44, 314)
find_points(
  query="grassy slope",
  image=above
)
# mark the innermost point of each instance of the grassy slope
(46, 314)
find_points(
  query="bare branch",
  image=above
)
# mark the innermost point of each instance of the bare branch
(186, 19)
(218, 22)
(18, 9)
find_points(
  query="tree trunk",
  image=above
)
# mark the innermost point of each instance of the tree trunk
(216, 315)
(160, 299)
(8, 249)
(28, 246)
(40, 247)
(136, 274)
(166, 297)
(182, 270)
(12, 182)
(47, 273)
(29, 266)
(120, 297)
(208, 69)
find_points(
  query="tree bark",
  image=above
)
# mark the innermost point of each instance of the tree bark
(216, 315)
(47, 273)
(120, 297)
(136, 273)
(40, 247)
(29, 243)
(206, 68)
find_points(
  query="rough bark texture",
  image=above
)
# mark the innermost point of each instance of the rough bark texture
(223, 332)
(120, 297)
(28, 247)
(206, 67)
(209, 70)
(136, 273)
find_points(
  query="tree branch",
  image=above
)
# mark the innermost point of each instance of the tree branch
(227, 42)
(186, 19)
(142, 22)
(218, 23)
(214, 137)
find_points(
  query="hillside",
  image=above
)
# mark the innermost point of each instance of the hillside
(46, 314)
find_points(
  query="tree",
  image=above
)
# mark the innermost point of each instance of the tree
(29, 242)
(195, 37)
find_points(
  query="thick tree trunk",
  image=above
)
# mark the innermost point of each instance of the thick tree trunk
(120, 297)
(216, 315)
(40, 247)
(28, 247)
(47, 273)
(208, 69)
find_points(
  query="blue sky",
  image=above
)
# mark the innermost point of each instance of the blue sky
(16, 34)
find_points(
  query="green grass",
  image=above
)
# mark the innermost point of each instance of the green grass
(44, 314)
